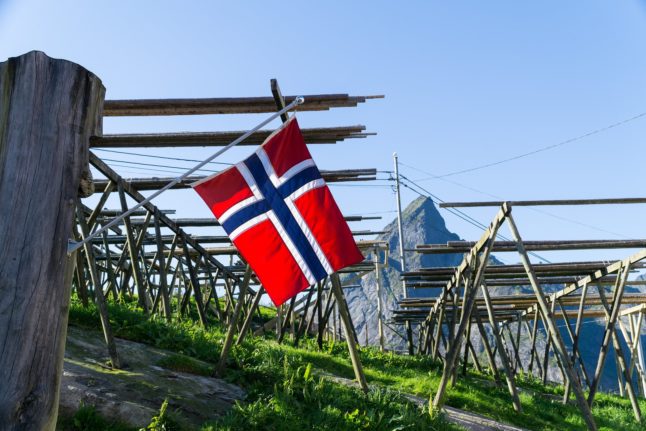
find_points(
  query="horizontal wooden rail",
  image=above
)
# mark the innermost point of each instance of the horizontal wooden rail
(609, 201)
(319, 135)
(510, 246)
(203, 222)
(202, 239)
(226, 105)
(562, 268)
(155, 183)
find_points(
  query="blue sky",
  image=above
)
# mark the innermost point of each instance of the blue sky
(466, 83)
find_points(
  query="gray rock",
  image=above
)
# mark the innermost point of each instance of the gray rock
(134, 394)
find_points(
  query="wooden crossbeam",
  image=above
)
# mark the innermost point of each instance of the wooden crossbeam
(156, 183)
(226, 105)
(319, 135)
(610, 201)
(510, 246)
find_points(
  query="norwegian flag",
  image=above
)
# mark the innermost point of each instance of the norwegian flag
(281, 216)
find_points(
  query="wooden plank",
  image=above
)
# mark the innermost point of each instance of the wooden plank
(509, 246)
(319, 135)
(609, 201)
(48, 110)
(226, 105)
(156, 183)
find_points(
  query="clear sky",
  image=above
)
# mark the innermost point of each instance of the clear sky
(466, 83)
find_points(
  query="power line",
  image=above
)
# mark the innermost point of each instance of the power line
(143, 170)
(179, 159)
(463, 215)
(539, 150)
(180, 168)
(538, 210)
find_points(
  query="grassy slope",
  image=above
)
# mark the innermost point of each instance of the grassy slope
(283, 394)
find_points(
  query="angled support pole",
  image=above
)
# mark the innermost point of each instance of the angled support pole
(619, 354)
(559, 345)
(506, 363)
(228, 341)
(98, 292)
(488, 351)
(249, 317)
(480, 254)
(337, 291)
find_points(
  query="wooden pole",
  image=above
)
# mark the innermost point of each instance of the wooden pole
(228, 341)
(559, 345)
(506, 363)
(380, 305)
(98, 293)
(49, 108)
(479, 263)
(337, 291)
(247, 321)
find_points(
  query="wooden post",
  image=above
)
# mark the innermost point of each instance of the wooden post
(142, 295)
(228, 341)
(247, 321)
(506, 363)
(380, 305)
(480, 262)
(490, 356)
(48, 110)
(163, 282)
(559, 345)
(347, 329)
(98, 292)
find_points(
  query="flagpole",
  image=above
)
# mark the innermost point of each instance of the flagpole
(75, 245)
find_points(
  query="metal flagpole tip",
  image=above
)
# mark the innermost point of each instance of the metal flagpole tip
(300, 100)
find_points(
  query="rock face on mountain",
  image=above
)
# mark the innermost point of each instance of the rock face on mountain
(423, 224)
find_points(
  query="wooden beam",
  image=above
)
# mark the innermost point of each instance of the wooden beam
(510, 246)
(156, 183)
(319, 135)
(226, 105)
(610, 201)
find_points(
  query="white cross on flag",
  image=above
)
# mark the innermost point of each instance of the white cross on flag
(281, 216)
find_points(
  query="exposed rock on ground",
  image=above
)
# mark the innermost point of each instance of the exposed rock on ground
(134, 395)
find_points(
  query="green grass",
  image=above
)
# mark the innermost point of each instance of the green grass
(185, 364)
(283, 393)
(283, 396)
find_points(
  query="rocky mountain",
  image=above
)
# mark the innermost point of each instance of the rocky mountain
(423, 224)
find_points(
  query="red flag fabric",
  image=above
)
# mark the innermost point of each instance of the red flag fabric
(281, 216)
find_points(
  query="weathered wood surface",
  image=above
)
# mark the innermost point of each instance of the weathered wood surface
(227, 105)
(156, 183)
(549, 202)
(319, 135)
(48, 111)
